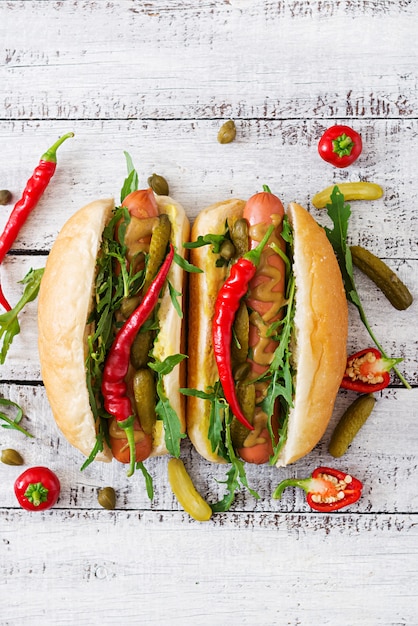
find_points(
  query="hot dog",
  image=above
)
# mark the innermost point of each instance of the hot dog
(288, 371)
(100, 268)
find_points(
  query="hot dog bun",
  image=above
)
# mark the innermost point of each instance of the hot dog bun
(319, 341)
(65, 300)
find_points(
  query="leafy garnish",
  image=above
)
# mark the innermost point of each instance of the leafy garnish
(207, 240)
(164, 410)
(339, 212)
(149, 485)
(131, 181)
(174, 294)
(9, 323)
(185, 265)
(236, 476)
(15, 422)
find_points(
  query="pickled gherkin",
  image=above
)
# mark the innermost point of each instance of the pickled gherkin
(241, 329)
(246, 397)
(140, 349)
(145, 399)
(238, 231)
(160, 239)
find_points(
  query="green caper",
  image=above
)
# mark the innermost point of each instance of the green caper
(388, 282)
(157, 249)
(350, 423)
(141, 348)
(227, 250)
(107, 498)
(158, 184)
(5, 196)
(239, 234)
(227, 132)
(145, 395)
(11, 457)
(246, 398)
(241, 329)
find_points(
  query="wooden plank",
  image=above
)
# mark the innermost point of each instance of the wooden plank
(200, 171)
(383, 456)
(124, 60)
(159, 568)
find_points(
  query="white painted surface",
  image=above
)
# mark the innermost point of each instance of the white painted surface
(157, 79)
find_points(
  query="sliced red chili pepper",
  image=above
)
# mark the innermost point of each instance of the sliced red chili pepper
(340, 145)
(227, 303)
(367, 371)
(32, 193)
(114, 388)
(327, 489)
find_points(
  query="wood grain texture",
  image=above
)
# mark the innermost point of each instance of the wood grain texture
(157, 79)
(283, 59)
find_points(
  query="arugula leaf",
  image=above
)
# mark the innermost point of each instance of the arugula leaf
(236, 476)
(339, 212)
(15, 422)
(207, 240)
(164, 410)
(9, 323)
(131, 181)
(174, 294)
(149, 485)
(185, 265)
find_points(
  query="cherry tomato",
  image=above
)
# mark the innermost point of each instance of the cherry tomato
(37, 489)
(120, 448)
(141, 203)
(340, 146)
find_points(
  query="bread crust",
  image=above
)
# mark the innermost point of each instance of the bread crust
(65, 300)
(321, 307)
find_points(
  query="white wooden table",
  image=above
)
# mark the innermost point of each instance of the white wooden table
(157, 79)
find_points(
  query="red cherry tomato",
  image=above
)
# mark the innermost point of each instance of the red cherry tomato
(340, 146)
(37, 489)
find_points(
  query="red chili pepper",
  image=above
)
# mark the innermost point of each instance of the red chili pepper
(327, 489)
(114, 388)
(37, 489)
(367, 371)
(227, 303)
(32, 193)
(340, 146)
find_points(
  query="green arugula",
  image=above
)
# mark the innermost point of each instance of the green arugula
(131, 181)
(149, 485)
(15, 422)
(339, 212)
(9, 323)
(164, 410)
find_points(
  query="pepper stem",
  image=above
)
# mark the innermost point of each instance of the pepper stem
(343, 145)
(303, 483)
(51, 155)
(128, 426)
(36, 493)
(254, 255)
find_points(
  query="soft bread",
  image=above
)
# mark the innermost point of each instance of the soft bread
(65, 300)
(321, 323)
(321, 326)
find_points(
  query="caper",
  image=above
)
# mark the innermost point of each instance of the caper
(11, 457)
(381, 274)
(107, 498)
(227, 132)
(158, 184)
(145, 395)
(350, 423)
(227, 250)
(241, 371)
(5, 196)
(239, 234)
(128, 305)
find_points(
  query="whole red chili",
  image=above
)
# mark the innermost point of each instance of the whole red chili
(37, 489)
(367, 371)
(227, 303)
(340, 146)
(327, 489)
(114, 388)
(32, 193)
